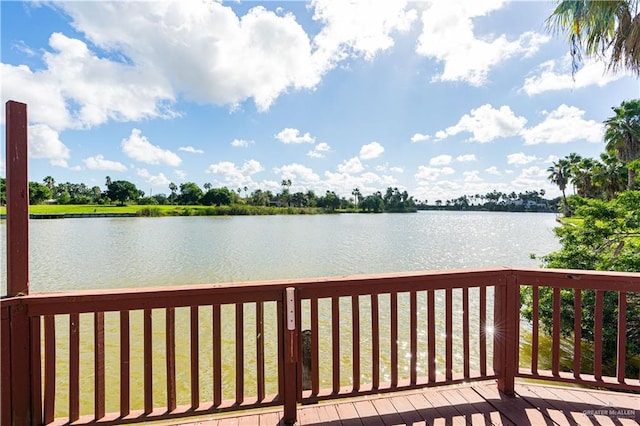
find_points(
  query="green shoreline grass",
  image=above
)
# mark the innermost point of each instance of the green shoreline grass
(168, 210)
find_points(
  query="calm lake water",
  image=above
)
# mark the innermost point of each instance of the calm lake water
(140, 252)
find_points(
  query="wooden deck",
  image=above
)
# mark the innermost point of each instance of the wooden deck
(478, 404)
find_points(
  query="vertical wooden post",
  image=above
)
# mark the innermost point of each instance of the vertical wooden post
(18, 259)
(506, 332)
(290, 352)
(17, 200)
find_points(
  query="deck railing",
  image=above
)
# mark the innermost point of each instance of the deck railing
(211, 348)
(132, 355)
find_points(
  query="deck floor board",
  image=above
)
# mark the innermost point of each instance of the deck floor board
(478, 404)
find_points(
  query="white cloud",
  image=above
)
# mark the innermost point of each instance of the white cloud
(556, 75)
(355, 28)
(520, 158)
(472, 176)
(139, 148)
(40, 92)
(448, 36)
(440, 160)
(157, 180)
(531, 178)
(493, 170)
(229, 58)
(180, 174)
(486, 124)
(425, 174)
(301, 176)
(99, 163)
(563, 125)
(351, 166)
(289, 135)
(466, 158)
(241, 143)
(419, 137)
(234, 176)
(44, 142)
(386, 168)
(368, 182)
(191, 149)
(371, 150)
(319, 150)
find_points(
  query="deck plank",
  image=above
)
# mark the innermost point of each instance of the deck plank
(406, 410)
(269, 419)
(544, 401)
(513, 409)
(348, 414)
(387, 412)
(368, 413)
(478, 404)
(606, 408)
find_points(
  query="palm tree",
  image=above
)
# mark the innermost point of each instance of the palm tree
(600, 28)
(558, 174)
(357, 195)
(50, 183)
(581, 177)
(609, 175)
(622, 136)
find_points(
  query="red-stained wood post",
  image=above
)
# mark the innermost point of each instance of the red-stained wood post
(290, 352)
(17, 200)
(18, 260)
(506, 318)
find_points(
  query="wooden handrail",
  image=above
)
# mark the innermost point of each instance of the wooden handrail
(341, 303)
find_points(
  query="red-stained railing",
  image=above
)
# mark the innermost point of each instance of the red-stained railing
(622, 285)
(368, 334)
(110, 357)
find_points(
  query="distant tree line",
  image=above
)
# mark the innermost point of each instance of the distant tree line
(528, 201)
(190, 194)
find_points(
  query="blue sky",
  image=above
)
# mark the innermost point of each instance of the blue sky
(441, 98)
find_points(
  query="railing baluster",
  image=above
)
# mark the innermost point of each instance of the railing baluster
(125, 367)
(99, 396)
(148, 362)
(555, 345)
(194, 332)
(577, 332)
(239, 353)
(394, 339)
(483, 331)
(413, 324)
(315, 349)
(217, 356)
(170, 351)
(622, 336)
(280, 327)
(535, 346)
(49, 368)
(74, 367)
(597, 338)
(431, 335)
(375, 342)
(449, 333)
(355, 326)
(36, 377)
(465, 331)
(335, 343)
(260, 350)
